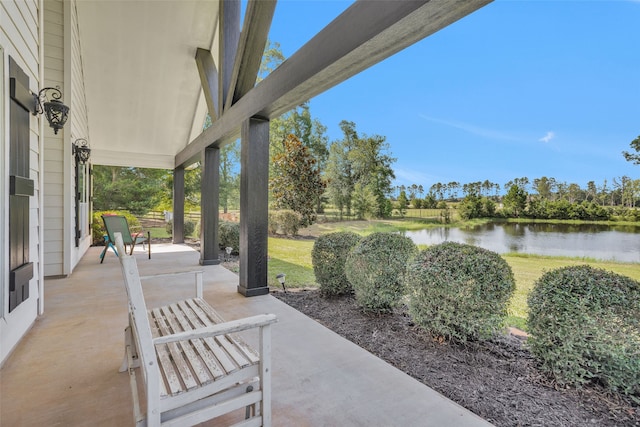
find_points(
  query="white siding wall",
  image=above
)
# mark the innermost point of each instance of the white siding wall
(78, 126)
(54, 147)
(63, 68)
(19, 38)
(55, 155)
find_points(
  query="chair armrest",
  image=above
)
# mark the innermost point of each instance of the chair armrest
(219, 329)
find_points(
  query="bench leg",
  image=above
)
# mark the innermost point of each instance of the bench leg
(128, 342)
(250, 411)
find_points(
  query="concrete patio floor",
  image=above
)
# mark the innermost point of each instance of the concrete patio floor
(65, 371)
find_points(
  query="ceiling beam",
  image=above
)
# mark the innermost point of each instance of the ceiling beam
(229, 37)
(208, 80)
(253, 39)
(363, 35)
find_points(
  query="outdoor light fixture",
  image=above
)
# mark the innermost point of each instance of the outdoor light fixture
(55, 111)
(281, 278)
(228, 249)
(81, 150)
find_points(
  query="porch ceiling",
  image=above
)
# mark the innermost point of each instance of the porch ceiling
(143, 92)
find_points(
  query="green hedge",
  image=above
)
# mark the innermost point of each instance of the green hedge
(459, 291)
(375, 268)
(584, 326)
(328, 257)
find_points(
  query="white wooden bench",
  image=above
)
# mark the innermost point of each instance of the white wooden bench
(194, 369)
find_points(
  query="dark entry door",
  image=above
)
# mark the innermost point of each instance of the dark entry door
(20, 186)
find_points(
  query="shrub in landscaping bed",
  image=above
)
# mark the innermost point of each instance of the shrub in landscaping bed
(584, 326)
(459, 291)
(229, 235)
(287, 221)
(272, 222)
(189, 228)
(375, 267)
(328, 256)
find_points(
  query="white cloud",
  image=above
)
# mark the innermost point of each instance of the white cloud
(548, 137)
(473, 129)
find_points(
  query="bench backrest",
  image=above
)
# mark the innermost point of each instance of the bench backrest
(139, 319)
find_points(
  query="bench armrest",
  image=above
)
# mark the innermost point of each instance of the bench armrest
(198, 275)
(179, 273)
(219, 329)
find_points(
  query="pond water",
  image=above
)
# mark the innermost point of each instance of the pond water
(605, 242)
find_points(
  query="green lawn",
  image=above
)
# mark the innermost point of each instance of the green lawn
(293, 257)
(528, 268)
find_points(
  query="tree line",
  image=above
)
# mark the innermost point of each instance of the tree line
(354, 174)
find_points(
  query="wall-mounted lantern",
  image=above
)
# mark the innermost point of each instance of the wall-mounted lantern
(81, 150)
(55, 111)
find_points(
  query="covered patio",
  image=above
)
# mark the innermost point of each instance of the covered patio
(65, 370)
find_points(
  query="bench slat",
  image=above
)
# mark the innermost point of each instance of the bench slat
(248, 356)
(177, 357)
(202, 361)
(167, 371)
(198, 317)
(207, 356)
(193, 356)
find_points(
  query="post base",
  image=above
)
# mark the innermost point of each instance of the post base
(253, 292)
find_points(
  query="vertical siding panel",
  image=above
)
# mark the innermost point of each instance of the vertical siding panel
(79, 125)
(54, 153)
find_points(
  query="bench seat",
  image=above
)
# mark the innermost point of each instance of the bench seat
(195, 363)
(194, 366)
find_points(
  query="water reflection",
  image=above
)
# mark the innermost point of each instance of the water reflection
(600, 241)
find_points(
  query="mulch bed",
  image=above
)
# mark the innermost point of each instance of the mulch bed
(497, 380)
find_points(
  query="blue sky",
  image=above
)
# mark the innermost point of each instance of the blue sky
(518, 88)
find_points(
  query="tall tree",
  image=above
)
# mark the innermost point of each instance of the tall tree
(574, 193)
(402, 203)
(633, 157)
(364, 201)
(592, 191)
(229, 176)
(339, 175)
(138, 190)
(371, 165)
(229, 193)
(296, 183)
(271, 59)
(515, 201)
(544, 187)
(356, 159)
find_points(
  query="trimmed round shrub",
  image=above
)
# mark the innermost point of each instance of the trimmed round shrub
(584, 326)
(229, 235)
(459, 291)
(328, 256)
(375, 267)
